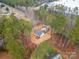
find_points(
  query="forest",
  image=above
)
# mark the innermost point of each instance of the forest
(12, 30)
(15, 32)
(66, 24)
(25, 2)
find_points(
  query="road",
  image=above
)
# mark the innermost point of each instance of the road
(27, 15)
(19, 14)
(4, 55)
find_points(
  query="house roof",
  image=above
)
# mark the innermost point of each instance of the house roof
(39, 32)
(58, 56)
(53, 56)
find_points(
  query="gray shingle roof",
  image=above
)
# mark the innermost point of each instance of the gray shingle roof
(39, 32)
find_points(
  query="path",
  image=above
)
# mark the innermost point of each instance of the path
(4, 55)
(28, 14)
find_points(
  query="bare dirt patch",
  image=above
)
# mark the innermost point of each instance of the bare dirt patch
(5, 55)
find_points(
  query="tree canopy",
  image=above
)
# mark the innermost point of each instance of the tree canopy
(43, 49)
(10, 28)
(56, 21)
(74, 32)
(25, 2)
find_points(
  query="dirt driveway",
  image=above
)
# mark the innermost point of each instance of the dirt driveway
(4, 55)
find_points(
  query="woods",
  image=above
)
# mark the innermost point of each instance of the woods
(60, 23)
(25, 3)
(42, 50)
(10, 29)
(15, 33)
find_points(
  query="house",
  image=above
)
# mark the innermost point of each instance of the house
(40, 33)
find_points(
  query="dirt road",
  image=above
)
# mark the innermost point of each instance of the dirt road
(4, 55)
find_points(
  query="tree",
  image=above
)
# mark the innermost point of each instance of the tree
(56, 21)
(41, 14)
(10, 28)
(76, 10)
(19, 2)
(43, 49)
(73, 33)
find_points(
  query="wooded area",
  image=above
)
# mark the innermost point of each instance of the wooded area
(11, 28)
